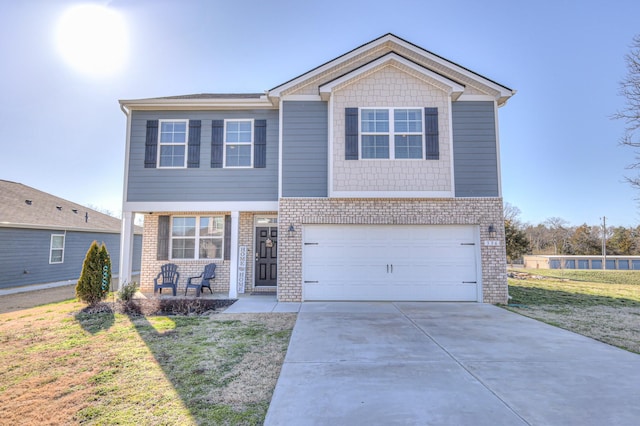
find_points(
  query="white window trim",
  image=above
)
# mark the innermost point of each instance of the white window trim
(225, 143)
(391, 134)
(51, 248)
(196, 237)
(185, 144)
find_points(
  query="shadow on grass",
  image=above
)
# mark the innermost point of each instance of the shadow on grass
(198, 356)
(95, 319)
(532, 296)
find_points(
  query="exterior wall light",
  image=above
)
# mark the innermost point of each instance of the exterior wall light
(492, 231)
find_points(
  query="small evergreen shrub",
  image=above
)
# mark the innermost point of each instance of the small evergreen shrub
(127, 291)
(95, 279)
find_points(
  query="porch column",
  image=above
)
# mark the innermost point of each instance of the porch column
(233, 256)
(126, 249)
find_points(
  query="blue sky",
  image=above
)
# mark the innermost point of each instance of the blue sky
(63, 131)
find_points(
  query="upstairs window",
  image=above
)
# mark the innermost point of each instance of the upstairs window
(56, 250)
(173, 144)
(238, 143)
(391, 133)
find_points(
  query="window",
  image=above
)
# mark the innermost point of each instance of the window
(173, 144)
(238, 143)
(394, 133)
(56, 251)
(197, 237)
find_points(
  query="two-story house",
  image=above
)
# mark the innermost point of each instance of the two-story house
(375, 176)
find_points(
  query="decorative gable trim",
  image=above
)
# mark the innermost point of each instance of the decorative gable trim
(455, 88)
(504, 92)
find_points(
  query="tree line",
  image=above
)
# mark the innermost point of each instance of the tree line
(556, 236)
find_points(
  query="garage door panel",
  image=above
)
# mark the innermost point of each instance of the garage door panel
(390, 262)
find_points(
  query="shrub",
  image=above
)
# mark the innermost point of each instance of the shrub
(127, 291)
(95, 279)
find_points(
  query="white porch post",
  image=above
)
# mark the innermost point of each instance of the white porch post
(126, 249)
(233, 257)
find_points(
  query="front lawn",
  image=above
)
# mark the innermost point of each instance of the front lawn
(60, 366)
(604, 305)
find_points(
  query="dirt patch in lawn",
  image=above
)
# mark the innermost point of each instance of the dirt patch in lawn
(30, 299)
(618, 326)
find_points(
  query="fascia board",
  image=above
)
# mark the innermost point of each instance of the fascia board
(276, 91)
(453, 85)
(504, 91)
(202, 104)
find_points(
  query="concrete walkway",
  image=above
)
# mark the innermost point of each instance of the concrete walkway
(448, 364)
(255, 303)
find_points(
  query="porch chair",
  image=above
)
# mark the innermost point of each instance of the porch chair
(206, 276)
(167, 278)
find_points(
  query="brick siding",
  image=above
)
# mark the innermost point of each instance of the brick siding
(461, 211)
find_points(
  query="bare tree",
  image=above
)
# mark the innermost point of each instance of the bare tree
(512, 214)
(630, 114)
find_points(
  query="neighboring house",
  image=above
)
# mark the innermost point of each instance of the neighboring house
(44, 239)
(375, 176)
(559, 261)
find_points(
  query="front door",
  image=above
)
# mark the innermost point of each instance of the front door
(266, 256)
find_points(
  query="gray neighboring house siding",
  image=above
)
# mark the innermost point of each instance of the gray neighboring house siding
(304, 149)
(203, 183)
(24, 255)
(475, 156)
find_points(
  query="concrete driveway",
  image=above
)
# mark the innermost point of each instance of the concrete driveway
(411, 363)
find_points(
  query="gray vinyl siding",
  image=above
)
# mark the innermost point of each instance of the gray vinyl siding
(475, 157)
(24, 255)
(304, 149)
(203, 183)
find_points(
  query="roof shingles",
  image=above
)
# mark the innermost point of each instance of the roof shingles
(26, 207)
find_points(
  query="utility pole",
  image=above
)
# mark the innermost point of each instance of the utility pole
(604, 242)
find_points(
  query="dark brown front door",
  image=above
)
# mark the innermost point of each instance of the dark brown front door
(266, 256)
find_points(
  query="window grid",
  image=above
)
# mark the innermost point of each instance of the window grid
(383, 137)
(206, 233)
(56, 249)
(238, 143)
(172, 141)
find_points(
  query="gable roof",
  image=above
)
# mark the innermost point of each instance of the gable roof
(381, 46)
(24, 207)
(322, 77)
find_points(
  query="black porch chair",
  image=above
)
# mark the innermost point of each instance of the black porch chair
(167, 278)
(206, 276)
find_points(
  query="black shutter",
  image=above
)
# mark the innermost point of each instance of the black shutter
(217, 141)
(193, 160)
(227, 237)
(351, 133)
(432, 148)
(163, 238)
(151, 145)
(260, 144)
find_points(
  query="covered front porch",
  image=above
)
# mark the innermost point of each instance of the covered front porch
(242, 244)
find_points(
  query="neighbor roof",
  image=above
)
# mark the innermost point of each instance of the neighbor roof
(24, 207)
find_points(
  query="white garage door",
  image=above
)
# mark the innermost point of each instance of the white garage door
(391, 262)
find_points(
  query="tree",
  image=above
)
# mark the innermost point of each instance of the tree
(559, 234)
(584, 241)
(516, 241)
(622, 241)
(93, 285)
(630, 113)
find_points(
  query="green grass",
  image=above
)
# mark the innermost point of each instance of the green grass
(604, 305)
(110, 369)
(591, 276)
